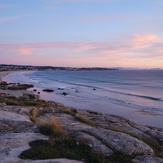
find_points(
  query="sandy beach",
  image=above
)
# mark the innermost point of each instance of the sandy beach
(2, 73)
(17, 93)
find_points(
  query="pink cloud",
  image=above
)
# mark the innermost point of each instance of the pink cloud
(81, 52)
(25, 51)
(27, 48)
(142, 38)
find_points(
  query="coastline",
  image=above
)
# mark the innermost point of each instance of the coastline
(85, 99)
(3, 73)
(21, 117)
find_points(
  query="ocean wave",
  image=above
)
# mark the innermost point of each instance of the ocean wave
(112, 90)
(143, 96)
(33, 80)
(138, 106)
(116, 91)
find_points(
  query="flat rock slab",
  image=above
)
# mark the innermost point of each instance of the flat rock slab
(96, 144)
(114, 140)
(60, 160)
(11, 145)
(4, 115)
(147, 159)
(121, 142)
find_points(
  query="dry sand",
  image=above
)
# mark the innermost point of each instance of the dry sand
(13, 93)
(2, 73)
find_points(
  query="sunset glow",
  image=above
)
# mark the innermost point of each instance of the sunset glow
(82, 33)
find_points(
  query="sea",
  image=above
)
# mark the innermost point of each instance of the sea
(133, 94)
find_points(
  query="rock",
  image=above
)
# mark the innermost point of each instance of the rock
(94, 89)
(3, 83)
(64, 93)
(12, 126)
(95, 143)
(5, 115)
(59, 160)
(2, 104)
(121, 142)
(117, 141)
(48, 90)
(107, 134)
(28, 96)
(60, 88)
(20, 86)
(147, 159)
(154, 132)
(11, 145)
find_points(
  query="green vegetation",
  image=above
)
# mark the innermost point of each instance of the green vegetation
(66, 147)
(20, 102)
(60, 145)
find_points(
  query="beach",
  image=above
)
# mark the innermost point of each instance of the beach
(2, 73)
(136, 95)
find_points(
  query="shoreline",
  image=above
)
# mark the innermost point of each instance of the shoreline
(4, 73)
(21, 118)
(73, 100)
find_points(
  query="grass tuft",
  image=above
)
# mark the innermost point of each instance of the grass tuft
(51, 127)
(34, 113)
(85, 120)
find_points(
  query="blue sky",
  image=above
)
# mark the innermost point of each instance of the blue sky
(82, 33)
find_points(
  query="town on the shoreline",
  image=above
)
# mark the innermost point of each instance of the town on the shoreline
(8, 67)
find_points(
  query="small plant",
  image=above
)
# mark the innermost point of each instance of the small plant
(83, 119)
(65, 147)
(69, 110)
(34, 113)
(51, 127)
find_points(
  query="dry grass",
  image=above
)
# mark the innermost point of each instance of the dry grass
(34, 113)
(83, 119)
(69, 110)
(51, 127)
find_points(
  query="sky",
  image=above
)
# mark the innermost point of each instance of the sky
(82, 33)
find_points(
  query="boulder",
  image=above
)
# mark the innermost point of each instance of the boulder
(48, 90)
(3, 83)
(147, 159)
(64, 93)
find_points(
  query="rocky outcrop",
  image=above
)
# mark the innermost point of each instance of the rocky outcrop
(11, 145)
(14, 86)
(103, 133)
(95, 143)
(121, 142)
(126, 138)
(20, 86)
(147, 159)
